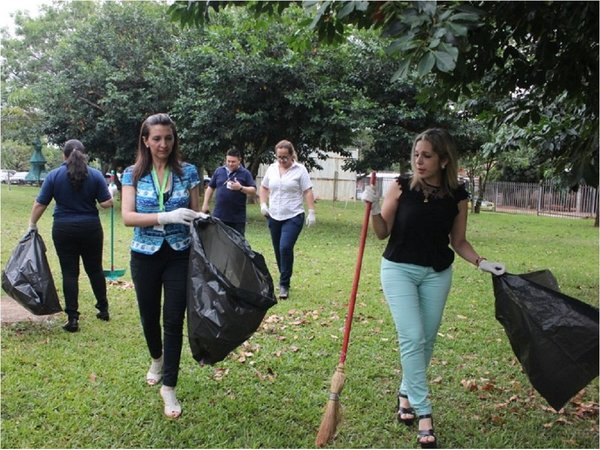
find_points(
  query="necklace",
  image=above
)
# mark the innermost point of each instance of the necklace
(429, 190)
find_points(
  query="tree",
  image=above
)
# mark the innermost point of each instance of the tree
(523, 51)
(245, 87)
(96, 89)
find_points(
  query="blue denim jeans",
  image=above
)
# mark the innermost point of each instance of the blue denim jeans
(284, 234)
(151, 274)
(416, 296)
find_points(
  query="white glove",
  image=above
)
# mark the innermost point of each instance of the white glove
(113, 189)
(264, 210)
(370, 195)
(32, 226)
(201, 215)
(492, 267)
(311, 219)
(183, 216)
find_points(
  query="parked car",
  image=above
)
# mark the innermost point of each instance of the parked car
(18, 178)
(5, 174)
(486, 205)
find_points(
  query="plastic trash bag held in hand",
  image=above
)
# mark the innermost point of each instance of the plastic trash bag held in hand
(27, 277)
(229, 290)
(554, 336)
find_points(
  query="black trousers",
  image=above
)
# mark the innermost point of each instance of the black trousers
(164, 270)
(74, 241)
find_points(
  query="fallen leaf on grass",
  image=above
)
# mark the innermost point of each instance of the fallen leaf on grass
(269, 376)
(559, 421)
(497, 420)
(93, 377)
(469, 385)
(589, 409)
(220, 373)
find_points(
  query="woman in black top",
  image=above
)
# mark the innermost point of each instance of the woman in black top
(422, 215)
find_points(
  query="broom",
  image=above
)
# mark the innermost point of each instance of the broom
(332, 414)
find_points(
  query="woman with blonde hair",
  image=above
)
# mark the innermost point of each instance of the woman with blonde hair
(423, 215)
(285, 186)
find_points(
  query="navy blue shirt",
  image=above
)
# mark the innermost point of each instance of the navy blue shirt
(230, 205)
(71, 205)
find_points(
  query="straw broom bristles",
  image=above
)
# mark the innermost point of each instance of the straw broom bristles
(332, 414)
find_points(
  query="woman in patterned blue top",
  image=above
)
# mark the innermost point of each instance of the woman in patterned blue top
(422, 215)
(160, 200)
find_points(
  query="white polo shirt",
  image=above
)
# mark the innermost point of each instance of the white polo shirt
(286, 192)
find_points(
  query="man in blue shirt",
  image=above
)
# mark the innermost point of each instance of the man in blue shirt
(233, 183)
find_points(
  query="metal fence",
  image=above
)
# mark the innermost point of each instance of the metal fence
(542, 199)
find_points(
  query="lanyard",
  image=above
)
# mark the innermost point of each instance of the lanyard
(160, 189)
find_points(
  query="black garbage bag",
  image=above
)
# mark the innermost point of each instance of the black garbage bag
(27, 277)
(554, 336)
(229, 290)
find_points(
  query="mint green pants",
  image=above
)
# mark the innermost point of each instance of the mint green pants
(416, 296)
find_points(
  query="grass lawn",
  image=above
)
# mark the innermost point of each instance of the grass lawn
(87, 389)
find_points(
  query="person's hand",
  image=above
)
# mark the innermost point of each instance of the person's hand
(183, 216)
(311, 219)
(32, 227)
(371, 196)
(264, 210)
(202, 215)
(494, 268)
(113, 189)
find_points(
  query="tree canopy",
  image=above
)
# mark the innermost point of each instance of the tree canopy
(238, 84)
(521, 54)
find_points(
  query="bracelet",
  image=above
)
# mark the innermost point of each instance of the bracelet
(479, 259)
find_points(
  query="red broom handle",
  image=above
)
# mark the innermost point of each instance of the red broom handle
(361, 251)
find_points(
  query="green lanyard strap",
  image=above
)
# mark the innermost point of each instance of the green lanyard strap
(161, 189)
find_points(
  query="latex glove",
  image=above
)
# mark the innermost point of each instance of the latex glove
(264, 210)
(370, 195)
(492, 267)
(113, 189)
(311, 219)
(183, 216)
(201, 215)
(32, 226)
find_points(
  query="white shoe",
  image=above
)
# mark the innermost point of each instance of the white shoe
(154, 374)
(172, 407)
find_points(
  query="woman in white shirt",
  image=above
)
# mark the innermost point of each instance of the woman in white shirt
(285, 186)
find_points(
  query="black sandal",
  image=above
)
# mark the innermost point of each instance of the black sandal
(400, 411)
(427, 433)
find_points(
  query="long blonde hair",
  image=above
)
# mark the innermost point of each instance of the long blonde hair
(443, 145)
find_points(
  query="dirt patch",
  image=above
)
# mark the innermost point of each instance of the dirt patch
(12, 312)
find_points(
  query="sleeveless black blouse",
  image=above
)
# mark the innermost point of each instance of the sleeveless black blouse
(420, 234)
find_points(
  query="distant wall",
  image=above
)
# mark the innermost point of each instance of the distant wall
(330, 182)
